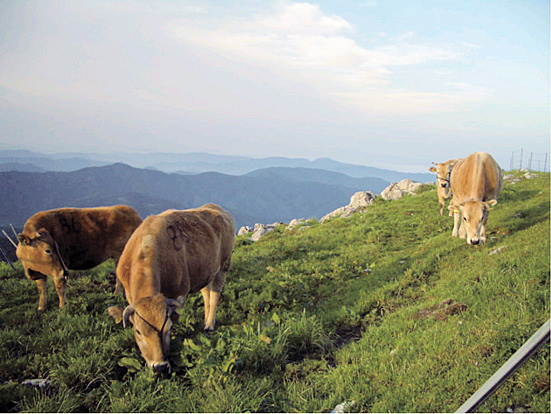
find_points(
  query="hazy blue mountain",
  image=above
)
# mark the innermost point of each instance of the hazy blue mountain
(263, 199)
(50, 162)
(195, 163)
(301, 174)
(18, 166)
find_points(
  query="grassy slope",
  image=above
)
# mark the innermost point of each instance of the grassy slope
(339, 312)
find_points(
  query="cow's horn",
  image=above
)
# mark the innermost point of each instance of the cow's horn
(175, 304)
(128, 311)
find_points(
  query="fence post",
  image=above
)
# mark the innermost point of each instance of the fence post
(520, 168)
(509, 368)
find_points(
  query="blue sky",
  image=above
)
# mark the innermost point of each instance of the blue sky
(391, 84)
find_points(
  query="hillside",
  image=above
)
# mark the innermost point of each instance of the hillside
(382, 311)
(250, 199)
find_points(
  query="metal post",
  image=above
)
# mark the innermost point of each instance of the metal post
(520, 168)
(8, 261)
(509, 368)
(530, 162)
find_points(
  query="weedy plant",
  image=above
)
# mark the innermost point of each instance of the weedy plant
(383, 311)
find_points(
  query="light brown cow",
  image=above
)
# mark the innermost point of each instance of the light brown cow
(56, 241)
(443, 172)
(169, 256)
(476, 181)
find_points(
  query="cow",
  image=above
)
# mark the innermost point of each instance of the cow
(476, 182)
(169, 256)
(443, 172)
(56, 241)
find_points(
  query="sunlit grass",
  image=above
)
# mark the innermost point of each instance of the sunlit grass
(382, 308)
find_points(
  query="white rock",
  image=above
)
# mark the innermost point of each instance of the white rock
(244, 230)
(358, 201)
(397, 190)
(341, 408)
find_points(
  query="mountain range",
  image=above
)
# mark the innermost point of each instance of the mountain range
(190, 163)
(279, 194)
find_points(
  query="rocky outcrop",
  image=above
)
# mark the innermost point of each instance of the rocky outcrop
(527, 175)
(358, 201)
(397, 190)
(258, 231)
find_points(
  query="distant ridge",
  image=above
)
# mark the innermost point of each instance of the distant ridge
(302, 174)
(195, 163)
(264, 198)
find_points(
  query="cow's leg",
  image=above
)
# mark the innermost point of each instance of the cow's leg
(42, 285)
(462, 231)
(456, 218)
(483, 234)
(211, 295)
(210, 306)
(60, 285)
(118, 286)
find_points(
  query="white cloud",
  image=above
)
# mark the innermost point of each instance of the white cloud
(301, 42)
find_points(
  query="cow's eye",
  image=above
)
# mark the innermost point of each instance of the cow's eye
(465, 218)
(48, 251)
(138, 332)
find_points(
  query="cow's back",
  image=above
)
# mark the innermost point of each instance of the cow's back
(87, 236)
(476, 177)
(177, 251)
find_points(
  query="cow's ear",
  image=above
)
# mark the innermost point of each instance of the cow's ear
(128, 312)
(42, 234)
(181, 300)
(432, 169)
(453, 208)
(23, 239)
(116, 313)
(173, 306)
(492, 202)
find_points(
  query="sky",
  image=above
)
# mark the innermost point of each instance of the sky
(386, 83)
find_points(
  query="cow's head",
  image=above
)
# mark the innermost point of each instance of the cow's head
(152, 319)
(39, 254)
(443, 172)
(474, 215)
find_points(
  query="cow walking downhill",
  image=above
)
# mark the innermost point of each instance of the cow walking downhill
(169, 256)
(476, 182)
(443, 172)
(56, 241)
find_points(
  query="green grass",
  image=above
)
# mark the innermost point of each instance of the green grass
(350, 310)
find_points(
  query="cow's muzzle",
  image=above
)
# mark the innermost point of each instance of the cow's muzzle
(162, 368)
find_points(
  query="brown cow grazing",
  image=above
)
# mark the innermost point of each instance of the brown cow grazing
(168, 257)
(56, 241)
(476, 181)
(443, 172)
